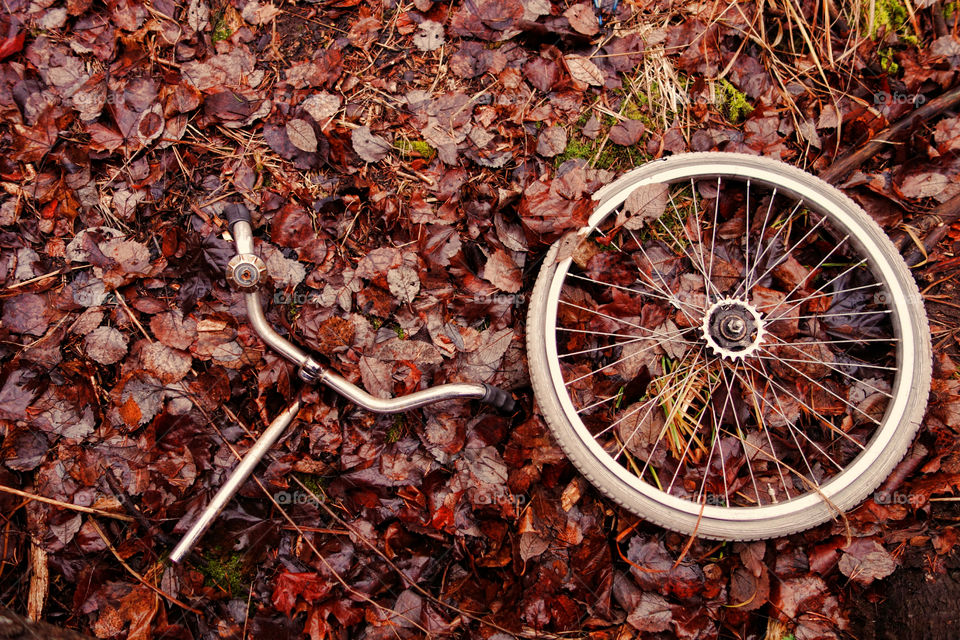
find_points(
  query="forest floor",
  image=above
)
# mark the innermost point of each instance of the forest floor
(408, 164)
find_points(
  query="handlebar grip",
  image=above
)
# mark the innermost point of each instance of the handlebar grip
(499, 398)
(235, 212)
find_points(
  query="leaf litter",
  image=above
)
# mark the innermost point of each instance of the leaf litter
(407, 167)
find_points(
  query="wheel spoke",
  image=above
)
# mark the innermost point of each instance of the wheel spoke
(843, 314)
(779, 409)
(598, 403)
(654, 268)
(701, 267)
(653, 402)
(693, 432)
(674, 300)
(772, 356)
(629, 324)
(664, 292)
(831, 392)
(789, 251)
(598, 333)
(793, 435)
(716, 439)
(756, 261)
(844, 341)
(670, 416)
(602, 348)
(812, 411)
(703, 258)
(707, 283)
(612, 364)
(773, 241)
(746, 235)
(819, 264)
(713, 242)
(742, 438)
(820, 292)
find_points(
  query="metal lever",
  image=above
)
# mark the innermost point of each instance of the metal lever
(236, 479)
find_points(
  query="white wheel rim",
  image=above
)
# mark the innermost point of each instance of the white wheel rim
(610, 198)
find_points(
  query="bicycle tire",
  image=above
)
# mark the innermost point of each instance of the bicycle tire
(730, 363)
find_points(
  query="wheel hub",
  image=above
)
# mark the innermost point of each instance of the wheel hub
(733, 328)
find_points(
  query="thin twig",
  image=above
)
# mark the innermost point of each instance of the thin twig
(66, 505)
(842, 167)
(140, 579)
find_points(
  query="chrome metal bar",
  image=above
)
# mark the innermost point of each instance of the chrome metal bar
(236, 479)
(404, 403)
(243, 236)
(273, 339)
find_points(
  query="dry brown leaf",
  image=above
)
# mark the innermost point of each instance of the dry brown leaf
(404, 283)
(583, 70)
(583, 19)
(370, 147)
(169, 365)
(321, 106)
(502, 272)
(301, 134)
(106, 345)
(429, 36)
(552, 141)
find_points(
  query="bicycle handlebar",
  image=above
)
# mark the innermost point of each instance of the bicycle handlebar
(246, 271)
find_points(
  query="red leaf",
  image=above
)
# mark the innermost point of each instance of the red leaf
(13, 42)
(310, 586)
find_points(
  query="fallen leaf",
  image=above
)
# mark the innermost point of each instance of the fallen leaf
(502, 272)
(591, 129)
(652, 614)
(542, 73)
(404, 283)
(198, 15)
(301, 134)
(370, 147)
(429, 36)
(106, 345)
(583, 70)
(26, 313)
(169, 365)
(865, 560)
(583, 19)
(645, 204)
(256, 13)
(926, 184)
(626, 132)
(290, 587)
(552, 141)
(321, 106)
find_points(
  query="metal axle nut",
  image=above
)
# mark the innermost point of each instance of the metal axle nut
(246, 271)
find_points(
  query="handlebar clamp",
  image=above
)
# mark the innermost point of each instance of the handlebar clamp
(246, 271)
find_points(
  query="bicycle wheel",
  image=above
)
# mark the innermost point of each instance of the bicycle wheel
(731, 347)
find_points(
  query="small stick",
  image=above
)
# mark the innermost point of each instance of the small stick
(66, 505)
(136, 575)
(845, 165)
